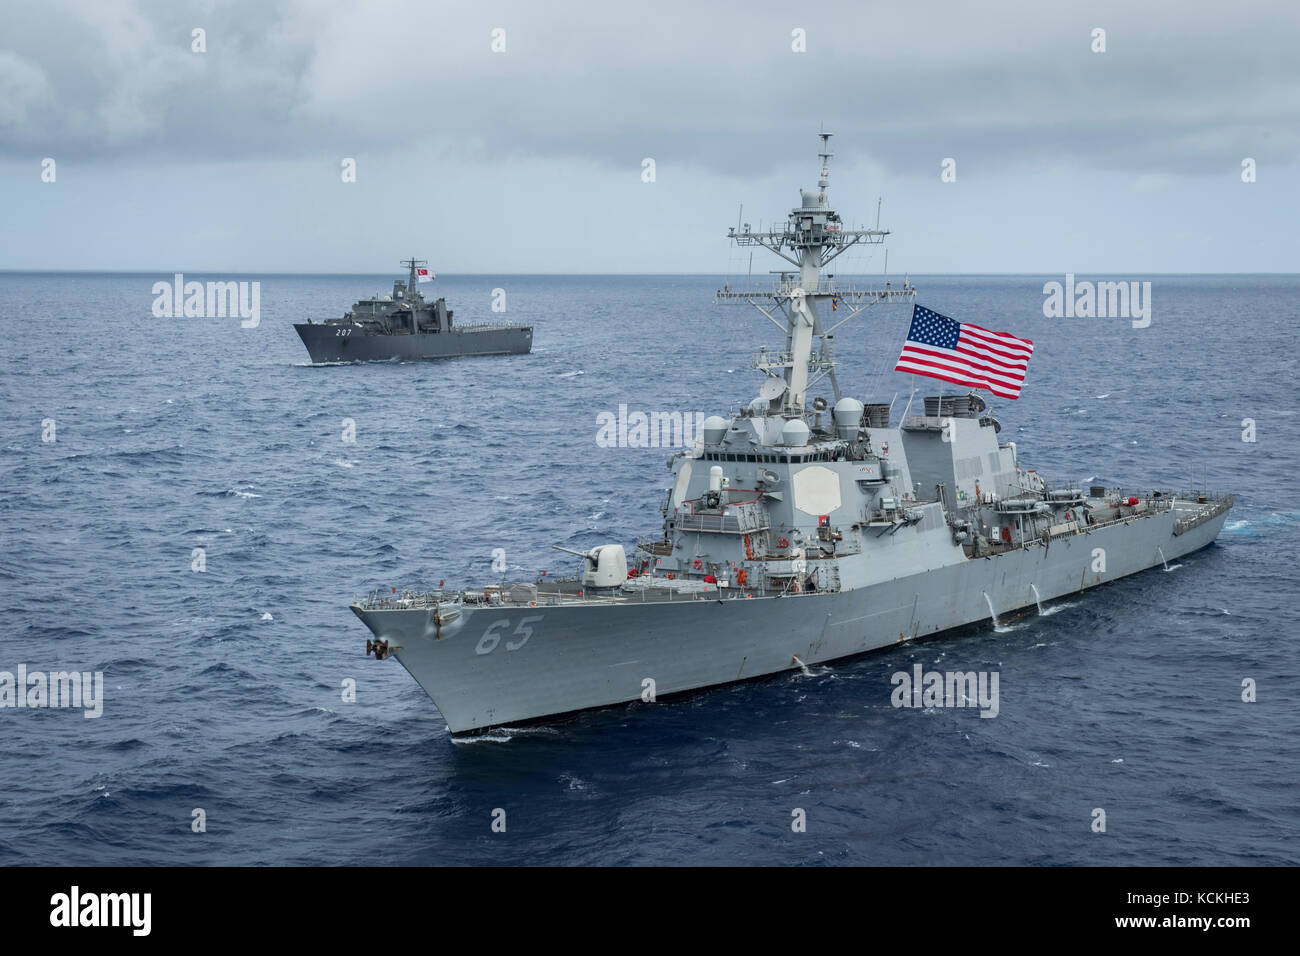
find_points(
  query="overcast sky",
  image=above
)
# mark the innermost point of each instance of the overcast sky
(1127, 161)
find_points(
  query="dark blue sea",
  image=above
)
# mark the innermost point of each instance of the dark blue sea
(224, 688)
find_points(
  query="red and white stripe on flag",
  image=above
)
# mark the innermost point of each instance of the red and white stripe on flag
(965, 354)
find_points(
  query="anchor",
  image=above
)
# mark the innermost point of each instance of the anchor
(380, 649)
(439, 619)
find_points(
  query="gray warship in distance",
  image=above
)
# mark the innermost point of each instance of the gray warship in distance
(796, 532)
(403, 326)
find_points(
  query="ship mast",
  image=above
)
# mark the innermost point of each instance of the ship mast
(410, 282)
(811, 239)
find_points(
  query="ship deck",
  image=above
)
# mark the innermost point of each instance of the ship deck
(1191, 510)
(640, 590)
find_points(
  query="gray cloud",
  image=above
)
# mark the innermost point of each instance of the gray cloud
(1182, 89)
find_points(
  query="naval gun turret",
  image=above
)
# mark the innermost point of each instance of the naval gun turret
(605, 566)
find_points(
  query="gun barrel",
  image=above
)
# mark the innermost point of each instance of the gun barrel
(581, 554)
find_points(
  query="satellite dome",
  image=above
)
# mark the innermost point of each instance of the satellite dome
(847, 415)
(715, 426)
(794, 433)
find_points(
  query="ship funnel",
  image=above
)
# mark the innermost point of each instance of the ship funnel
(848, 417)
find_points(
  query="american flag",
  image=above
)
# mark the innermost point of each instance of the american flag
(964, 354)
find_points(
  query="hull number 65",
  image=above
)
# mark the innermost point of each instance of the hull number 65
(492, 636)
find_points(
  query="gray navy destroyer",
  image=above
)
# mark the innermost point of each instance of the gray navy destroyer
(403, 326)
(801, 529)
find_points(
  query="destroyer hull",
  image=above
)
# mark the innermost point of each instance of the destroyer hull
(506, 664)
(341, 343)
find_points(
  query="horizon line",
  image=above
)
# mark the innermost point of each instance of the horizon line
(173, 271)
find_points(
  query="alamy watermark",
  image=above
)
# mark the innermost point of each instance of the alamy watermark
(129, 910)
(37, 689)
(1101, 300)
(639, 429)
(923, 689)
(208, 300)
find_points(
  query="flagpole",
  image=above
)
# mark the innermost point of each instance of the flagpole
(909, 401)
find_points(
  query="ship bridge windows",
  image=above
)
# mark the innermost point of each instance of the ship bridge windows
(770, 459)
(805, 459)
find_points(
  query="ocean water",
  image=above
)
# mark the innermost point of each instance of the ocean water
(224, 689)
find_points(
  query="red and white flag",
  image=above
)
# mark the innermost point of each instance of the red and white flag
(964, 354)
(424, 275)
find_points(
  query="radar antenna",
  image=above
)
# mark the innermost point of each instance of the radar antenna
(811, 238)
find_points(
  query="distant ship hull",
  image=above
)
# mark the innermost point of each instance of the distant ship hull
(344, 343)
(503, 664)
